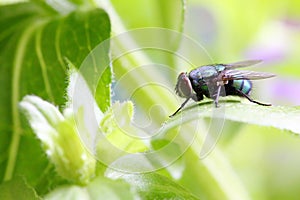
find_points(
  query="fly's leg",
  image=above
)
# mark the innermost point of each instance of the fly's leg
(252, 100)
(182, 105)
(217, 95)
(195, 97)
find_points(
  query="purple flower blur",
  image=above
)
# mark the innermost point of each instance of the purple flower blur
(272, 43)
(286, 91)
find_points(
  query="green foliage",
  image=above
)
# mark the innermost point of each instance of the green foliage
(17, 189)
(44, 43)
(280, 117)
(116, 125)
(153, 186)
(100, 188)
(60, 140)
(35, 39)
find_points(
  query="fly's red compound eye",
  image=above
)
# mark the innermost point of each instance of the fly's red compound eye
(183, 86)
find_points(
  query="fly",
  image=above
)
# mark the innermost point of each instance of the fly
(201, 80)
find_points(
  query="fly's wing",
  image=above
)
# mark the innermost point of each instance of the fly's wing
(240, 75)
(241, 64)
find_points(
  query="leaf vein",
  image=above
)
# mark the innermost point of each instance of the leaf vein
(57, 47)
(16, 122)
(38, 49)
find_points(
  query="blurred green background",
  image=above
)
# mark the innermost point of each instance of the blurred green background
(267, 160)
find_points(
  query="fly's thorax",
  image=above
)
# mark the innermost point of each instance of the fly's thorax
(219, 68)
(202, 78)
(204, 72)
(244, 86)
(202, 75)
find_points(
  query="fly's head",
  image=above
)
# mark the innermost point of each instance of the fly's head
(184, 87)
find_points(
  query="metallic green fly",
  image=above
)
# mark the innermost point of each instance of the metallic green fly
(207, 81)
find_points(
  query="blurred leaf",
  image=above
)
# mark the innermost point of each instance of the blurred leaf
(17, 189)
(206, 166)
(153, 186)
(119, 137)
(139, 14)
(229, 131)
(213, 174)
(100, 188)
(280, 117)
(164, 15)
(61, 142)
(117, 126)
(172, 151)
(267, 161)
(34, 41)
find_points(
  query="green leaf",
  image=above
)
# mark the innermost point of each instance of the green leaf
(34, 40)
(17, 189)
(58, 134)
(221, 180)
(153, 186)
(280, 117)
(277, 155)
(100, 188)
(116, 125)
(214, 174)
(121, 137)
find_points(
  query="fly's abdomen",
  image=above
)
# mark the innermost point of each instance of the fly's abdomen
(244, 86)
